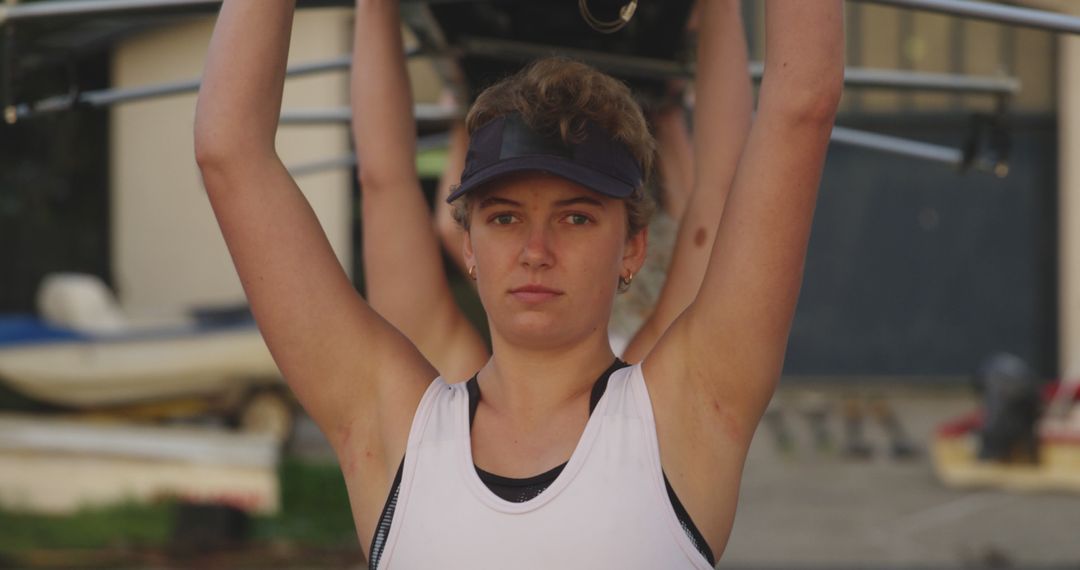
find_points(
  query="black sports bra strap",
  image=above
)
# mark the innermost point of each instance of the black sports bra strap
(473, 388)
(598, 389)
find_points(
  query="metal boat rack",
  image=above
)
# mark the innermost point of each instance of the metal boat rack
(433, 43)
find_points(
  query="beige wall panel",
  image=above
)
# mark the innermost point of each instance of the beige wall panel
(982, 56)
(852, 98)
(1069, 206)
(1068, 107)
(880, 36)
(1035, 68)
(427, 86)
(982, 48)
(757, 42)
(167, 250)
(426, 83)
(929, 50)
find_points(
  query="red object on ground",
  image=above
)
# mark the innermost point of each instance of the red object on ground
(972, 421)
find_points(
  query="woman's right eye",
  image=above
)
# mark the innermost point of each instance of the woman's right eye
(502, 219)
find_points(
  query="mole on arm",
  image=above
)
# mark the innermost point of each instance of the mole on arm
(699, 237)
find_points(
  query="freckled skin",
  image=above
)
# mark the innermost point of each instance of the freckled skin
(699, 237)
(729, 424)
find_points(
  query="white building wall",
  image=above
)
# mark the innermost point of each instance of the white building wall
(1069, 205)
(1068, 84)
(167, 251)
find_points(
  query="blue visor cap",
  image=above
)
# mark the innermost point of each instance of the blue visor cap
(506, 145)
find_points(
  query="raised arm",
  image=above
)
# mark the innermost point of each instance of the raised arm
(403, 266)
(731, 340)
(713, 372)
(724, 103)
(337, 354)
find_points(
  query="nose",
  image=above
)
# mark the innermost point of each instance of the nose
(536, 251)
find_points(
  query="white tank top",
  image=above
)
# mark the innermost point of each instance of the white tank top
(608, 508)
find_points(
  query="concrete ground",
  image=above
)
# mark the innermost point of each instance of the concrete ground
(808, 505)
(805, 503)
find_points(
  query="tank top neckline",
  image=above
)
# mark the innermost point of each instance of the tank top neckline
(568, 471)
(535, 484)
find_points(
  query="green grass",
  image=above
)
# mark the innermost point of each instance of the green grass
(314, 507)
(315, 511)
(126, 524)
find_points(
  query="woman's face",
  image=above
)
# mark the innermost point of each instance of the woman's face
(548, 255)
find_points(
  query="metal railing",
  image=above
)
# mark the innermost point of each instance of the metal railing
(1000, 13)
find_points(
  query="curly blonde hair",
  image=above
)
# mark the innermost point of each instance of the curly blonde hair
(557, 94)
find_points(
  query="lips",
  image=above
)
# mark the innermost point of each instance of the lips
(533, 294)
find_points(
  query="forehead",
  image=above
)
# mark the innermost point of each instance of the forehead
(539, 188)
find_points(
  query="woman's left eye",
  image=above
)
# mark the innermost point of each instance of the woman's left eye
(578, 219)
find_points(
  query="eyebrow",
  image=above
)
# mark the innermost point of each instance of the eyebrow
(580, 200)
(497, 201)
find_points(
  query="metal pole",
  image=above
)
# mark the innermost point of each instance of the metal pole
(906, 147)
(423, 112)
(1000, 13)
(840, 135)
(107, 97)
(652, 68)
(1026, 17)
(631, 66)
(68, 8)
(922, 81)
(896, 145)
(854, 77)
(45, 10)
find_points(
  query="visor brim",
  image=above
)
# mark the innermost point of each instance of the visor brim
(589, 178)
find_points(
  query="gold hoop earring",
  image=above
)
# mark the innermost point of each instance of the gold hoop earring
(624, 283)
(472, 273)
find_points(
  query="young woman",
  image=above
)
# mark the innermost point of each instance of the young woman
(551, 231)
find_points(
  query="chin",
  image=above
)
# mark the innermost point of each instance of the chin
(536, 330)
(546, 331)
